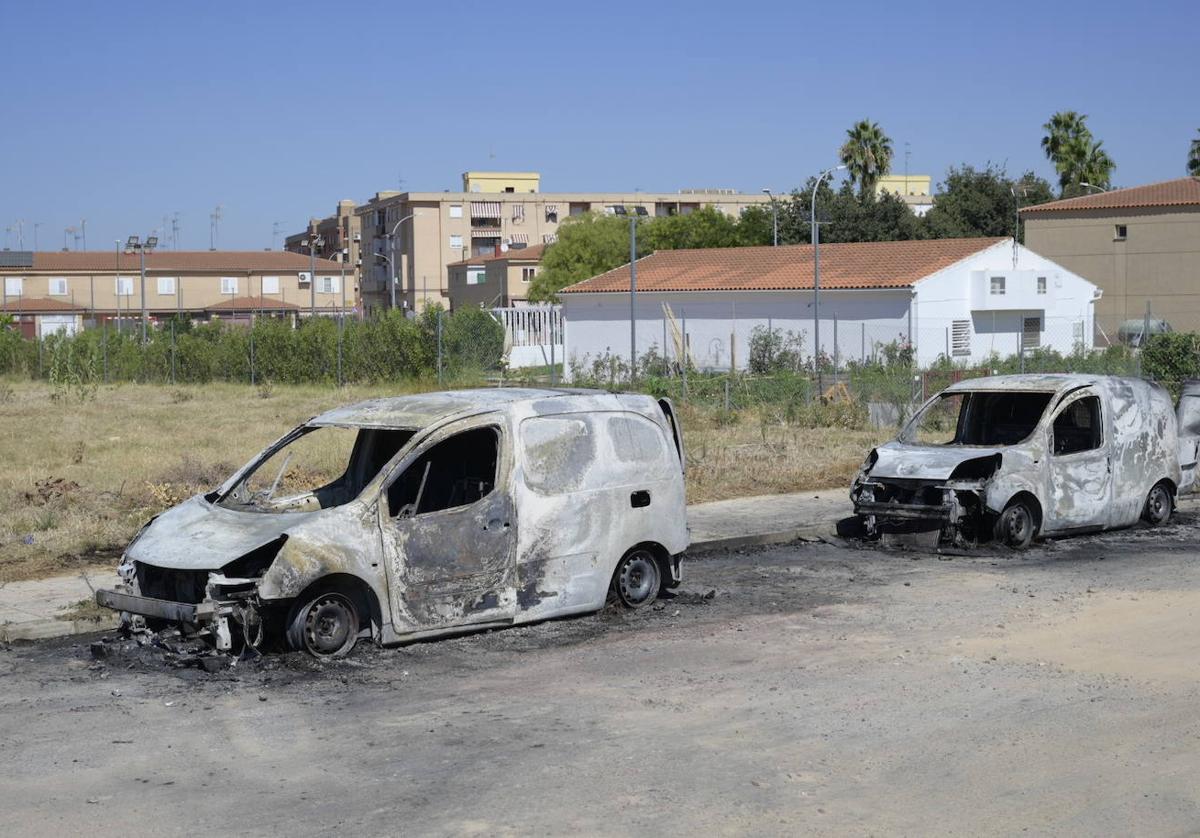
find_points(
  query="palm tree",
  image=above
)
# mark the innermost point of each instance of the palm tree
(867, 155)
(1069, 145)
(1096, 167)
(1193, 164)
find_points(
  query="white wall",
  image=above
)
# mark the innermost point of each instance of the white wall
(961, 292)
(598, 324)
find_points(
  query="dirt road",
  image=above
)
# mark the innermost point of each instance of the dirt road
(819, 689)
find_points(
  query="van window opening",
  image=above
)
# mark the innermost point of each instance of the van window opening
(320, 468)
(978, 418)
(1077, 427)
(456, 472)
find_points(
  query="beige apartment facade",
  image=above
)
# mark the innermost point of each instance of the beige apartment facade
(1139, 245)
(501, 280)
(339, 236)
(414, 236)
(62, 291)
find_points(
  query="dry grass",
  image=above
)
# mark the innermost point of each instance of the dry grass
(81, 477)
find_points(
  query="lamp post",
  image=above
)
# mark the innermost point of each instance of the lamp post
(1087, 185)
(632, 298)
(134, 244)
(392, 261)
(816, 241)
(774, 218)
(312, 242)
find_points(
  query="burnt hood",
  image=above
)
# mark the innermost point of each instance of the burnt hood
(925, 462)
(197, 535)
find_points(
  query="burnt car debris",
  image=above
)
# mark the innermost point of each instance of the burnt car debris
(1012, 458)
(412, 517)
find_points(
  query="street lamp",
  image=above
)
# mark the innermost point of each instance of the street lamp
(392, 262)
(312, 242)
(774, 218)
(816, 241)
(633, 297)
(1087, 185)
(134, 244)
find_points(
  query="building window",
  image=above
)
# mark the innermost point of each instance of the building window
(1031, 333)
(528, 273)
(166, 285)
(518, 212)
(1041, 285)
(124, 286)
(456, 210)
(616, 209)
(58, 286)
(229, 285)
(549, 238)
(1120, 232)
(960, 338)
(327, 284)
(475, 276)
(997, 285)
(14, 286)
(456, 241)
(270, 285)
(552, 213)
(640, 210)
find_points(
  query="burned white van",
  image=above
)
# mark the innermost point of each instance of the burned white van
(1013, 457)
(412, 517)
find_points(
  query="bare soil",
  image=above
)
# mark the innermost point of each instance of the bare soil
(802, 689)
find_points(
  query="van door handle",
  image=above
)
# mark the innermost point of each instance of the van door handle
(639, 499)
(496, 524)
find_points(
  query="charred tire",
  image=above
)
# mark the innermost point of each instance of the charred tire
(1159, 505)
(1016, 525)
(637, 579)
(324, 624)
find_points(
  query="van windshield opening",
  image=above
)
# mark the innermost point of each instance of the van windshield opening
(978, 418)
(319, 468)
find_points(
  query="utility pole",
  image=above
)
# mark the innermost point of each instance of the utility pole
(132, 245)
(213, 228)
(313, 242)
(632, 298)
(83, 231)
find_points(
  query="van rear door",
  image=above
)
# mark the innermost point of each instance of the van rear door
(1188, 416)
(668, 410)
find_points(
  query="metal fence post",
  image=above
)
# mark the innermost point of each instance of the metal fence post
(38, 338)
(684, 363)
(341, 329)
(863, 350)
(553, 363)
(253, 375)
(172, 351)
(835, 344)
(104, 347)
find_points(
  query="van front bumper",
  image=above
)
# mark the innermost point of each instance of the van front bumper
(160, 609)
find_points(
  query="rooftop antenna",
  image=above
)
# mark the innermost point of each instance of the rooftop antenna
(36, 224)
(175, 232)
(274, 233)
(67, 233)
(7, 237)
(83, 231)
(213, 227)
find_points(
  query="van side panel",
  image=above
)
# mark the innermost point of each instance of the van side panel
(1144, 446)
(575, 482)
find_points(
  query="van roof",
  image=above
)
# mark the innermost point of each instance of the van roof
(1041, 382)
(423, 409)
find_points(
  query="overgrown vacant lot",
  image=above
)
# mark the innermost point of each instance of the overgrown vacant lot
(80, 476)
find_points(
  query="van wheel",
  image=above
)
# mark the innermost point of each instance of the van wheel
(1016, 525)
(1159, 506)
(637, 579)
(324, 625)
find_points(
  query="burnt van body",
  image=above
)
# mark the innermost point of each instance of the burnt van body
(1010, 458)
(453, 511)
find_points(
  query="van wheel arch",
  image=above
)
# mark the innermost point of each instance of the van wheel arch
(1154, 513)
(354, 588)
(661, 559)
(1030, 501)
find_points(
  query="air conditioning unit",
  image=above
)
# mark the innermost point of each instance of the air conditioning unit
(305, 279)
(358, 237)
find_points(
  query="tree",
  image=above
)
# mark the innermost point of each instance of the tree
(587, 245)
(1193, 161)
(982, 202)
(867, 154)
(846, 216)
(705, 227)
(756, 226)
(1077, 156)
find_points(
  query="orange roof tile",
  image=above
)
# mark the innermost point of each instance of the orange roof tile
(37, 305)
(252, 304)
(1182, 191)
(789, 267)
(162, 261)
(533, 253)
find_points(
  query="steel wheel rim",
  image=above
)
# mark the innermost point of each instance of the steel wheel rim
(638, 579)
(1018, 523)
(1158, 504)
(328, 625)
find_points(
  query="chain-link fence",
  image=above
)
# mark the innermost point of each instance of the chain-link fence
(329, 350)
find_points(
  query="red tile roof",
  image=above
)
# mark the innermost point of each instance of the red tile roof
(789, 267)
(533, 253)
(37, 305)
(1184, 191)
(162, 261)
(253, 304)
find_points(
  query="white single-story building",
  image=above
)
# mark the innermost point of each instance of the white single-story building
(966, 299)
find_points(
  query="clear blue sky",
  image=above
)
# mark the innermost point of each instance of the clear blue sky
(122, 113)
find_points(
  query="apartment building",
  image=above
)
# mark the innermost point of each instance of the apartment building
(499, 280)
(914, 190)
(413, 236)
(48, 292)
(1141, 245)
(339, 236)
